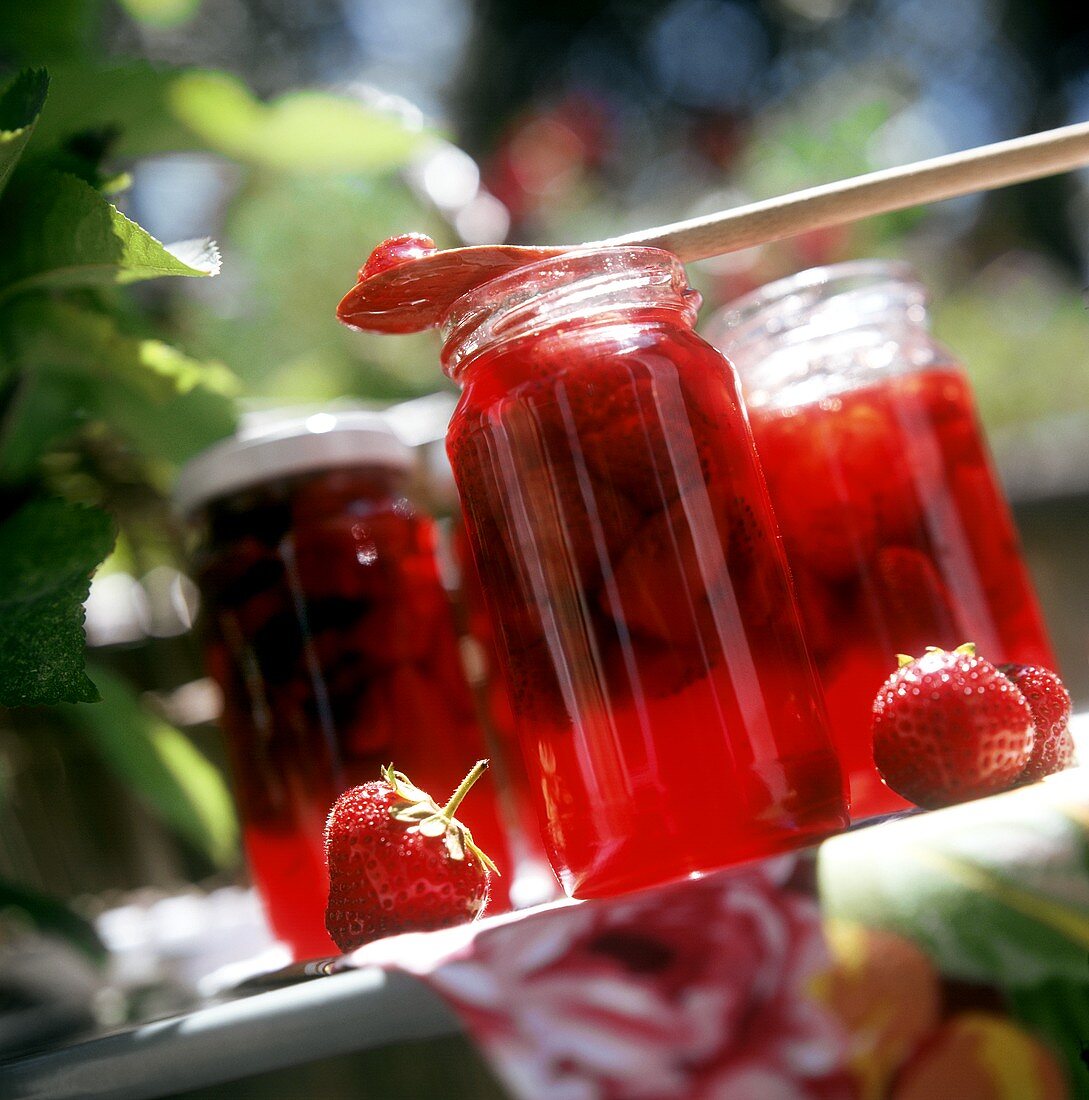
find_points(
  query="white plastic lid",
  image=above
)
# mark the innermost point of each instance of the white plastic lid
(267, 450)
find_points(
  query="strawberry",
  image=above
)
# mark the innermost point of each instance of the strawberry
(663, 584)
(398, 862)
(948, 727)
(756, 560)
(823, 608)
(840, 481)
(1049, 702)
(911, 599)
(396, 251)
(657, 671)
(647, 435)
(554, 505)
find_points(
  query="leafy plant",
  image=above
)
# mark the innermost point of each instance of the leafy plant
(80, 376)
(97, 410)
(49, 549)
(161, 764)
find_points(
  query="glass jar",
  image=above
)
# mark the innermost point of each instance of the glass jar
(666, 706)
(333, 640)
(534, 882)
(896, 530)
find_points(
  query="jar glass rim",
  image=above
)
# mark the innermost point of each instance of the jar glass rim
(787, 308)
(579, 279)
(843, 274)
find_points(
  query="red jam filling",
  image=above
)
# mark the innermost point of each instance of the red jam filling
(396, 251)
(408, 285)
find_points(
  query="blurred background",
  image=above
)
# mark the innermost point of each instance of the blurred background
(299, 133)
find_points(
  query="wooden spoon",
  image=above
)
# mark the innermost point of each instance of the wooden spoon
(417, 294)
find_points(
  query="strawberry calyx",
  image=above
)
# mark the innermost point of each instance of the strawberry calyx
(967, 648)
(424, 815)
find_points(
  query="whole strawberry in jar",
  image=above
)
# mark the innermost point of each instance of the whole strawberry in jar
(328, 629)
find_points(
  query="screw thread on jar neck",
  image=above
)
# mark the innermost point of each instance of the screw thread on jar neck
(829, 327)
(589, 286)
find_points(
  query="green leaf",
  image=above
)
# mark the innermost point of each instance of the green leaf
(162, 13)
(49, 549)
(994, 891)
(131, 98)
(78, 367)
(158, 109)
(302, 131)
(60, 232)
(162, 766)
(1058, 1011)
(59, 336)
(47, 31)
(44, 411)
(53, 917)
(20, 105)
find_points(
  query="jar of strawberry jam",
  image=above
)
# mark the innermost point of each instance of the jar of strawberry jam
(895, 526)
(665, 703)
(333, 641)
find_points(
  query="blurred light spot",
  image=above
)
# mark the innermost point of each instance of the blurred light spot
(116, 610)
(413, 48)
(366, 552)
(185, 600)
(814, 11)
(708, 53)
(192, 704)
(544, 156)
(423, 419)
(485, 220)
(321, 422)
(404, 110)
(170, 602)
(181, 196)
(447, 176)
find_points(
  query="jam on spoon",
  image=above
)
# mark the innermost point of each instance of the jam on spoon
(408, 285)
(416, 290)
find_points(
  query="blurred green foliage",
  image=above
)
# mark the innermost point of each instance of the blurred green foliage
(49, 549)
(305, 131)
(99, 403)
(161, 13)
(66, 361)
(282, 339)
(70, 364)
(161, 765)
(1021, 329)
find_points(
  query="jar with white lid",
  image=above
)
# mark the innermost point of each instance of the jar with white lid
(329, 631)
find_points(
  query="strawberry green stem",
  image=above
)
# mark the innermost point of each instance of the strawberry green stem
(479, 768)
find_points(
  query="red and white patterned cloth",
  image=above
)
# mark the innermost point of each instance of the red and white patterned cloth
(947, 959)
(702, 989)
